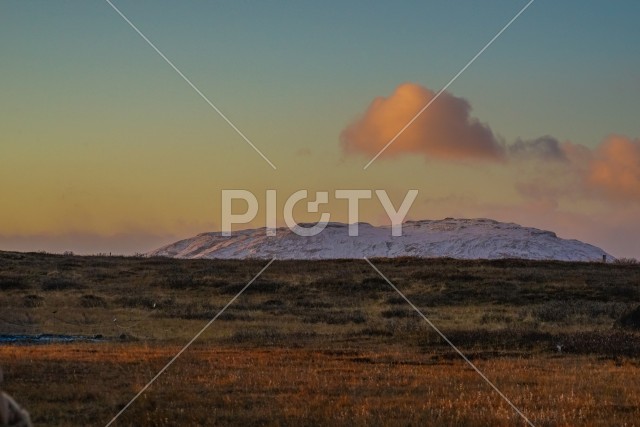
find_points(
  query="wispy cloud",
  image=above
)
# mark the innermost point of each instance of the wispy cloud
(610, 172)
(544, 148)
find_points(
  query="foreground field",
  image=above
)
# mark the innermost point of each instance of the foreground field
(88, 384)
(322, 343)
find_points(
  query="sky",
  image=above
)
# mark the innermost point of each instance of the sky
(105, 148)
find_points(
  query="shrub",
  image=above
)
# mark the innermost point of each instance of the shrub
(630, 319)
(32, 301)
(181, 281)
(92, 301)
(12, 281)
(374, 284)
(626, 261)
(398, 313)
(264, 287)
(272, 303)
(396, 300)
(60, 283)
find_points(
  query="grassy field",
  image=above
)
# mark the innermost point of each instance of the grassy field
(322, 343)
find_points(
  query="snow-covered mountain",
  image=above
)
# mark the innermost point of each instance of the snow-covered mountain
(456, 238)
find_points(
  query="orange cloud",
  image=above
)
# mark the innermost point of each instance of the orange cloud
(445, 130)
(611, 172)
(615, 168)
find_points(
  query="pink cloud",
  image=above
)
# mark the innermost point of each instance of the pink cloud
(610, 172)
(615, 168)
(445, 130)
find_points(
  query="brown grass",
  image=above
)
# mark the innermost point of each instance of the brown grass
(322, 343)
(88, 384)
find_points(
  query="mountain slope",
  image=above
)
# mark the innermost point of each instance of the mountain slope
(456, 238)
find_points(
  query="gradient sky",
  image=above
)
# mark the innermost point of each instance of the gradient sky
(104, 148)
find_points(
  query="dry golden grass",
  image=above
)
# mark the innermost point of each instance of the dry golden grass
(87, 385)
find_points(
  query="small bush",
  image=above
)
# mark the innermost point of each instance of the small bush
(12, 281)
(626, 261)
(630, 319)
(272, 303)
(60, 284)
(231, 288)
(396, 300)
(264, 287)
(32, 301)
(398, 313)
(374, 284)
(181, 281)
(92, 301)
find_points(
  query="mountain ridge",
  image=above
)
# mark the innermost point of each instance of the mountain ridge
(479, 238)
